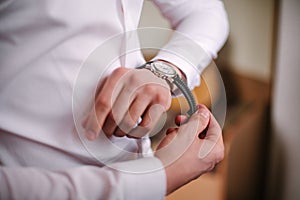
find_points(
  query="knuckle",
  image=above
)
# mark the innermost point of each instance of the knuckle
(164, 99)
(119, 70)
(159, 96)
(127, 124)
(102, 104)
(135, 79)
(149, 89)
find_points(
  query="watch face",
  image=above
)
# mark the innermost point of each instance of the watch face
(164, 68)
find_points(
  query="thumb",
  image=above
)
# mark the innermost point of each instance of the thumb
(212, 139)
(170, 135)
(197, 122)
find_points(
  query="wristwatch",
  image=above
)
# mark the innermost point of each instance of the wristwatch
(166, 71)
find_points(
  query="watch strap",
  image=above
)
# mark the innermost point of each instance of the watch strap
(181, 85)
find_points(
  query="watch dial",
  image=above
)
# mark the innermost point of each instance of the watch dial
(165, 68)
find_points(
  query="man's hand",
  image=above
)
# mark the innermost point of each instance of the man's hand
(192, 149)
(122, 98)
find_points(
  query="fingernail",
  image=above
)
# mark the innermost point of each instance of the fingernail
(91, 135)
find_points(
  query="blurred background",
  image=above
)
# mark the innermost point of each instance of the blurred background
(260, 65)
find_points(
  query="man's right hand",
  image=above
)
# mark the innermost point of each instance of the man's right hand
(185, 155)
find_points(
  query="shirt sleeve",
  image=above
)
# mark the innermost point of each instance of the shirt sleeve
(201, 30)
(138, 179)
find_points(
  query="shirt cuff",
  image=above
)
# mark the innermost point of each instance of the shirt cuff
(190, 58)
(143, 178)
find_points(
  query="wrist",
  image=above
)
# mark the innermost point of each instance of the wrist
(177, 176)
(177, 69)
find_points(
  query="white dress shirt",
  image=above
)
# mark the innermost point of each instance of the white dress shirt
(43, 43)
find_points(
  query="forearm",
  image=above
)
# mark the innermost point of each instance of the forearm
(87, 182)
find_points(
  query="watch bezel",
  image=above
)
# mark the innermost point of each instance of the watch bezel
(159, 68)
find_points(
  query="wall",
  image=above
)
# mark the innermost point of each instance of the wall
(249, 47)
(151, 17)
(284, 177)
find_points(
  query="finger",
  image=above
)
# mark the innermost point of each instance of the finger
(170, 135)
(91, 121)
(122, 103)
(197, 122)
(214, 131)
(103, 104)
(170, 130)
(101, 85)
(137, 123)
(202, 135)
(212, 140)
(150, 118)
(181, 119)
(188, 132)
(129, 121)
(119, 109)
(109, 125)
